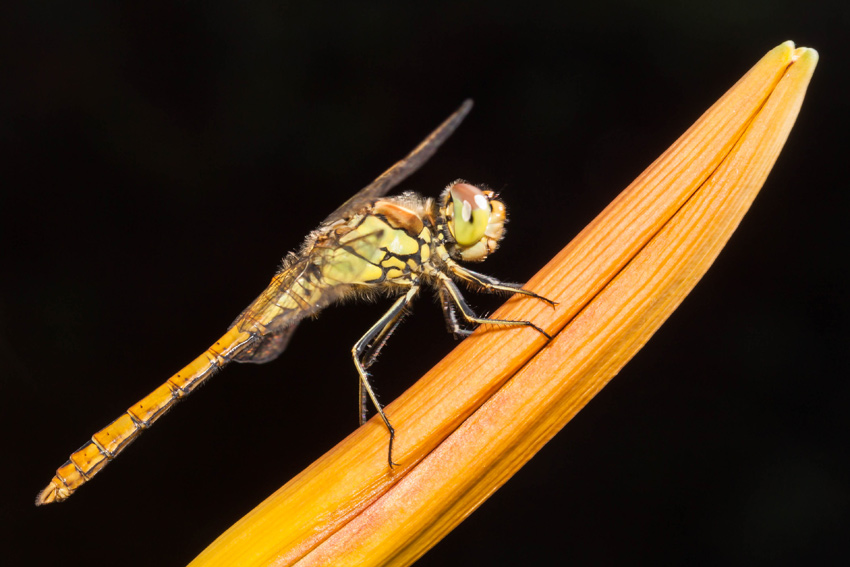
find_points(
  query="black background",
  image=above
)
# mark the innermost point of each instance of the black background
(158, 158)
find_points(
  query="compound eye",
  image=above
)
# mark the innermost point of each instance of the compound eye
(471, 213)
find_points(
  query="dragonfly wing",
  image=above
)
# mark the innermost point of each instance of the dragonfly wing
(293, 295)
(404, 168)
(268, 348)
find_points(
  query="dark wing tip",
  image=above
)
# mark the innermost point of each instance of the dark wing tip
(402, 169)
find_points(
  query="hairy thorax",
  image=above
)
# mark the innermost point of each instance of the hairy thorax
(388, 244)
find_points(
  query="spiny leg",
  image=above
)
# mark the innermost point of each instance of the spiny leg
(490, 284)
(369, 356)
(450, 315)
(363, 351)
(374, 348)
(468, 314)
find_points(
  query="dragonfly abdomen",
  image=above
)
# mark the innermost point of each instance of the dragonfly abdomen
(107, 443)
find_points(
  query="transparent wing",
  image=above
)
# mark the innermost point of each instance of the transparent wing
(268, 348)
(295, 293)
(404, 168)
(278, 317)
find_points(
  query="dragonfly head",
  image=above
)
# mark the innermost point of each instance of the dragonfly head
(475, 220)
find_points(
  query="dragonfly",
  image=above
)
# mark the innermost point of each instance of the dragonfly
(371, 245)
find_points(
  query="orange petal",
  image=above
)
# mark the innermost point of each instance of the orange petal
(464, 429)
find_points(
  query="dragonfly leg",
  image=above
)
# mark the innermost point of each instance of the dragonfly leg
(368, 357)
(365, 351)
(470, 316)
(490, 284)
(372, 350)
(450, 315)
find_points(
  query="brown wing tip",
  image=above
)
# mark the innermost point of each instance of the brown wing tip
(453, 121)
(402, 169)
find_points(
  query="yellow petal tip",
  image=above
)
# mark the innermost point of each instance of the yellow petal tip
(806, 54)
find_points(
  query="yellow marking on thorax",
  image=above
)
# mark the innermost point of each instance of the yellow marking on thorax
(362, 259)
(425, 251)
(394, 266)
